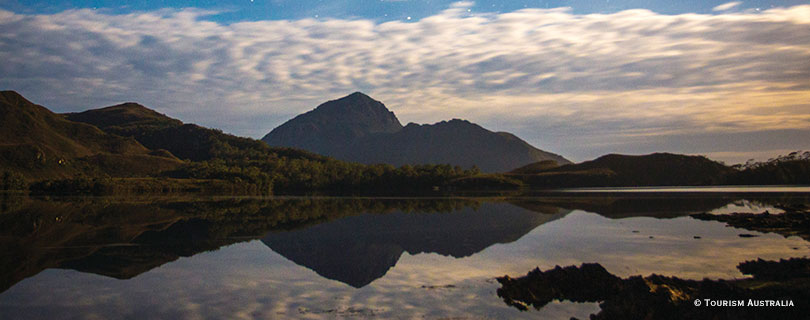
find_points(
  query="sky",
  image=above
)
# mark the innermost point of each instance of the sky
(730, 80)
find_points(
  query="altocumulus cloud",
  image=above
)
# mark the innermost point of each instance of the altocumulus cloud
(631, 81)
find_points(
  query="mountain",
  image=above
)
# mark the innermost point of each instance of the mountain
(184, 140)
(361, 129)
(615, 170)
(41, 144)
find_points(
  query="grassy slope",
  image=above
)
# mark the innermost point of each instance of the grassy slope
(41, 144)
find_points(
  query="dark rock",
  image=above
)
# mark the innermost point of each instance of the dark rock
(777, 270)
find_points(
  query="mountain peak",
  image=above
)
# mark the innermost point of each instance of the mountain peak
(357, 102)
(10, 94)
(357, 110)
(11, 97)
(455, 122)
(127, 105)
(127, 114)
(358, 95)
(335, 123)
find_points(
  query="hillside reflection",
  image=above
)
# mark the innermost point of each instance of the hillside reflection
(124, 238)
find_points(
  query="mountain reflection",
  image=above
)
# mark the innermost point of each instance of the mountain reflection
(358, 250)
(352, 240)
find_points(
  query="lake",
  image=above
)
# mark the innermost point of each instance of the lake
(321, 257)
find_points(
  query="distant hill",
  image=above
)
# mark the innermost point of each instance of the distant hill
(615, 170)
(186, 141)
(42, 144)
(361, 129)
(793, 168)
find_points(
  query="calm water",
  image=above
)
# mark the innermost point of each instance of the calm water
(102, 258)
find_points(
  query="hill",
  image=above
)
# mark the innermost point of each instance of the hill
(361, 129)
(42, 144)
(615, 170)
(793, 168)
(186, 141)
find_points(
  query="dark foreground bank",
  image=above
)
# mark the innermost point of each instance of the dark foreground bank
(777, 290)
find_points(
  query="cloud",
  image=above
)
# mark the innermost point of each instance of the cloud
(727, 6)
(633, 73)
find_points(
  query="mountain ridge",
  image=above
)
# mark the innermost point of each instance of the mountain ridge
(124, 114)
(376, 136)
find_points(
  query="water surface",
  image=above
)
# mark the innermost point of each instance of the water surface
(352, 257)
